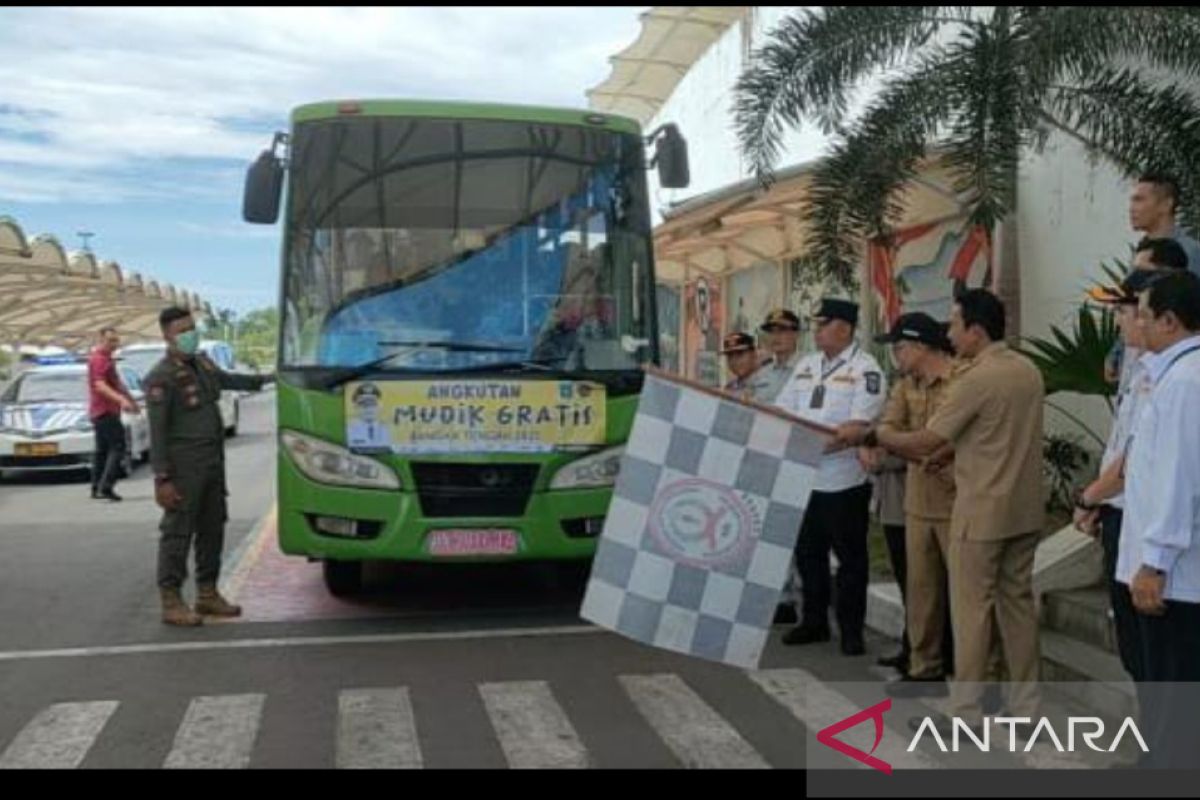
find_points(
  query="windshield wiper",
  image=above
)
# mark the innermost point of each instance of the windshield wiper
(544, 364)
(350, 373)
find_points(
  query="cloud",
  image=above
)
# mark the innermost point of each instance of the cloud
(91, 96)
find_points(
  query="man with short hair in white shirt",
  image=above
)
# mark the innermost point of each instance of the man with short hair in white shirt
(1159, 557)
(1099, 508)
(841, 383)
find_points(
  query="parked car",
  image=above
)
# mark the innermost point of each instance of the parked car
(44, 423)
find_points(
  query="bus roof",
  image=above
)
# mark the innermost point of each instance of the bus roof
(333, 109)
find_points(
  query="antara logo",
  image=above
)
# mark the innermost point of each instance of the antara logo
(1089, 729)
(1043, 729)
(875, 713)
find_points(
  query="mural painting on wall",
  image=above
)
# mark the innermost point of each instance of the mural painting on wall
(668, 326)
(930, 261)
(703, 331)
(753, 293)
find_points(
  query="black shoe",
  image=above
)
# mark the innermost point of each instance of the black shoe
(806, 634)
(908, 686)
(785, 614)
(95, 493)
(898, 661)
(111, 495)
(852, 644)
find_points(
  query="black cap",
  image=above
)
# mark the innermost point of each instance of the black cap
(834, 308)
(781, 318)
(737, 343)
(917, 326)
(367, 390)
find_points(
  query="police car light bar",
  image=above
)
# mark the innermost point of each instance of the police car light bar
(47, 361)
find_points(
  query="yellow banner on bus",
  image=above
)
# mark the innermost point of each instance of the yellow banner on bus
(473, 416)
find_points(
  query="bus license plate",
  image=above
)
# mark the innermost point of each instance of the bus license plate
(473, 543)
(36, 449)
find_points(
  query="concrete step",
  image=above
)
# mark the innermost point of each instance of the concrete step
(1087, 674)
(1080, 614)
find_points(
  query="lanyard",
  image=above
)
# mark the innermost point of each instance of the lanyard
(1174, 361)
(841, 363)
(817, 399)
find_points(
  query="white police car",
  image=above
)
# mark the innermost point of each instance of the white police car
(44, 423)
(143, 357)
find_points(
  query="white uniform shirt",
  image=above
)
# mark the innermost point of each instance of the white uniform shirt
(1161, 528)
(1132, 393)
(371, 435)
(854, 391)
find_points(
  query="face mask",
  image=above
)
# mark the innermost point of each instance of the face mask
(188, 342)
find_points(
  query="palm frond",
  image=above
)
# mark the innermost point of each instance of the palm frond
(813, 61)
(857, 190)
(1074, 362)
(995, 115)
(1140, 125)
(1074, 42)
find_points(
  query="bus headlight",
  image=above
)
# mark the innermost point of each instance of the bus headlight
(329, 463)
(591, 472)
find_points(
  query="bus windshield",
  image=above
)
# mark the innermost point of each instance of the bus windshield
(439, 245)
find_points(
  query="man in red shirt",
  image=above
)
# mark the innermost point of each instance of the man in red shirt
(107, 397)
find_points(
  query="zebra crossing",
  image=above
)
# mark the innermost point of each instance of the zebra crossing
(377, 727)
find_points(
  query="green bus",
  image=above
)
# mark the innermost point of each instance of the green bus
(467, 297)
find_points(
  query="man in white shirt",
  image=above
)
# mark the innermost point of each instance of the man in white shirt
(1159, 557)
(841, 383)
(367, 432)
(1100, 506)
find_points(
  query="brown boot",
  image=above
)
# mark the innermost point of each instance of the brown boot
(210, 602)
(176, 612)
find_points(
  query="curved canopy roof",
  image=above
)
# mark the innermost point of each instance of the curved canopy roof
(646, 73)
(51, 297)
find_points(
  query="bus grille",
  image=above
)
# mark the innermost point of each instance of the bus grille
(474, 490)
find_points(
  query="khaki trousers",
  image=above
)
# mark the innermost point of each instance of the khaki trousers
(991, 602)
(927, 544)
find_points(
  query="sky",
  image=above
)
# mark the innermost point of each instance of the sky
(137, 124)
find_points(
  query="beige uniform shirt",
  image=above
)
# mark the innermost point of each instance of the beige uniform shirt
(909, 408)
(992, 414)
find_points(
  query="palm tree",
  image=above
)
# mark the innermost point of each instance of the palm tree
(977, 87)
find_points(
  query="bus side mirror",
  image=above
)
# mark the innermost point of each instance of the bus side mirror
(264, 186)
(671, 157)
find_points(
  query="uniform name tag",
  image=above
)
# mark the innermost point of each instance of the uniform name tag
(818, 397)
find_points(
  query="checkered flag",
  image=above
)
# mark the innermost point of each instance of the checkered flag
(705, 513)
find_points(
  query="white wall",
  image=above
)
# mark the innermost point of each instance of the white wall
(1072, 214)
(702, 107)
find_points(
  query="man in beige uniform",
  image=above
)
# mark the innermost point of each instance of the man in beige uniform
(922, 350)
(992, 415)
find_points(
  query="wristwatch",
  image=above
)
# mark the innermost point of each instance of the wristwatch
(871, 439)
(1083, 505)
(1159, 572)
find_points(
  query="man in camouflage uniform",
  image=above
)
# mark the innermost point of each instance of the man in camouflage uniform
(187, 453)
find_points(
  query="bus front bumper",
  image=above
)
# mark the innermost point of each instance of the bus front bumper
(342, 523)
